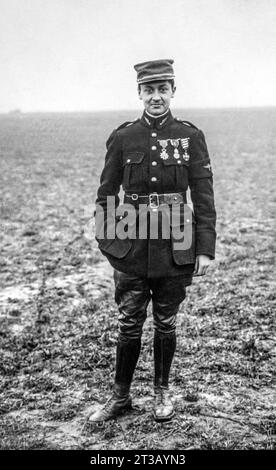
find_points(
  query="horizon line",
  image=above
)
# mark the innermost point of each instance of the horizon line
(19, 111)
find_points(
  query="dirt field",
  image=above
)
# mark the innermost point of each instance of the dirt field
(58, 317)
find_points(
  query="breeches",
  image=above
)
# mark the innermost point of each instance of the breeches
(133, 294)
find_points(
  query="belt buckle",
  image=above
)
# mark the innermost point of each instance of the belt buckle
(154, 204)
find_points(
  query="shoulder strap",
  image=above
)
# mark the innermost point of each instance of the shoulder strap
(186, 123)
(126, 124)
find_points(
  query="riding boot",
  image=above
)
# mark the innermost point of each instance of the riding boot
(127, 354)
(164, 349)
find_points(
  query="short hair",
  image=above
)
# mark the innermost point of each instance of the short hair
(171, 81)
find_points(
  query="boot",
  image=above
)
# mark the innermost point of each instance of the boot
(127, 354)
(164, 349)
(163, 405)
(116, 405)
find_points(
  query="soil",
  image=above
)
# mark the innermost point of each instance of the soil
(59, 319)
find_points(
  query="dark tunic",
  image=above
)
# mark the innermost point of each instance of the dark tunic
(138, 159)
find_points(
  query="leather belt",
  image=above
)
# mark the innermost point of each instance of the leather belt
(154, 199)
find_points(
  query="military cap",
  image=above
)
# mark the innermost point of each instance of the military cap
(154, 70)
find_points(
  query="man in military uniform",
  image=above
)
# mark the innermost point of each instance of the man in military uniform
(155, 159)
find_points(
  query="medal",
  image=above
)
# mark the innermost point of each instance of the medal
(164, 155)
(175, 144)
(185, 146)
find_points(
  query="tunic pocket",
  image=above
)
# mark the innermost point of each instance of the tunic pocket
(183, 239)
(134, 172)
(116, 247)
(176, 173)
(121, 243)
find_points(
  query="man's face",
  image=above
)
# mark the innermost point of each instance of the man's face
(156, 96)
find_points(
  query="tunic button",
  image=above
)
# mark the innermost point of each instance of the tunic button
(154, 163)
(153, 178)
(153, 134)
(153, 147)
(178, 161)
(128, 160)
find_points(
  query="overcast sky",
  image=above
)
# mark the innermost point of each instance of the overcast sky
(62, 55)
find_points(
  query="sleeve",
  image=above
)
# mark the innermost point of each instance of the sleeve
(202, 195)
(112, 173)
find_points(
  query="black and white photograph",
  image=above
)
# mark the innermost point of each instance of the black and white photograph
(137, 262)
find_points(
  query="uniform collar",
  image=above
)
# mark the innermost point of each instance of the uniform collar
(157, 122)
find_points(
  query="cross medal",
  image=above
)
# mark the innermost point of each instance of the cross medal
(175, 144)
(185, 146)
(163, 153)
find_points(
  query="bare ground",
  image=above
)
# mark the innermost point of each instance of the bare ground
(58, 317)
